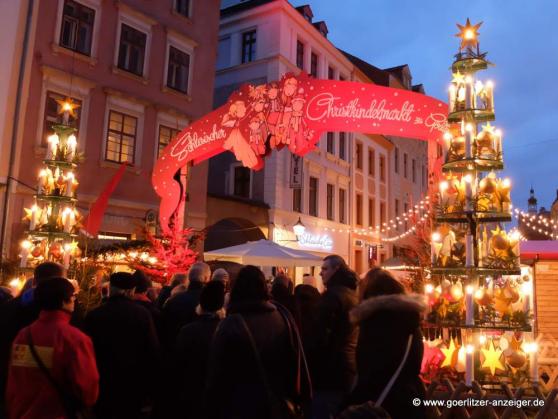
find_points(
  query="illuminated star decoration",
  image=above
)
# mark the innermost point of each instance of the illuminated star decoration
(492, 358)
(450, 354)
(67, 105)
(468, 34)
(458, 78)
(488, 129)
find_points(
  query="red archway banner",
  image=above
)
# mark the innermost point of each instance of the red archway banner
(294, 113)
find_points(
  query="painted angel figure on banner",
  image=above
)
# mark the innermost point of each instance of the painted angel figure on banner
(257, 138)
(236, 141)
(274, 111)
(298, 128)
(290, 88)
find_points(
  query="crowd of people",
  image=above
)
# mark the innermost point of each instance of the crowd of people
(210, 347)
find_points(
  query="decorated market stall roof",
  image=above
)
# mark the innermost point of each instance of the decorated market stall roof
(264, 253)
(539, 249)
(400, 263)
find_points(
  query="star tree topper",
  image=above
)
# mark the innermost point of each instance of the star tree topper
(67, 105)
(468, 34)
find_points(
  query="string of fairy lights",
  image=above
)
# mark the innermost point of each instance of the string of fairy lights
(537, 223)
(422, 207)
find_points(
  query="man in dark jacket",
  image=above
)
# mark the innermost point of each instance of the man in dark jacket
(143, 284)
(127, 350)
(180, 309)
(20, 312)
(333, 346)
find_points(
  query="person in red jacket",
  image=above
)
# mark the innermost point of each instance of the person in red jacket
(66, 353)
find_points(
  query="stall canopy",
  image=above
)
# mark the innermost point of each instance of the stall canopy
(264, 253)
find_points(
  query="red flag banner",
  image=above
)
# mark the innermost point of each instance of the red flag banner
(293, 113)
(95, 217)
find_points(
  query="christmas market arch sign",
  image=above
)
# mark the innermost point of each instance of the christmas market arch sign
(294, 113)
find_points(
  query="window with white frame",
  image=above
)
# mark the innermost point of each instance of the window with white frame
(300, 54)
(121, 137)
(313, 196)
(76, 31)
(132, 50)
(297, 200)
(314, 65)
(330, 143)
(342, 212)
(249, 46)
(342, 145)
(330, 201)
(178, 72)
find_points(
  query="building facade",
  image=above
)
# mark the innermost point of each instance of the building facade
(258, 43)
(140, 72)
(347, 182)
(539, 223)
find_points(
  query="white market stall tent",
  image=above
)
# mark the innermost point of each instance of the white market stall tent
(264, 253)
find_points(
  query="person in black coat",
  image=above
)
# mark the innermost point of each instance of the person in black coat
(18, 313)
(387, 316)
(180, 309)
(235, 383)
(127, 351)
(307, 300)
(282, 293)
(143, 284)
(332, 346)
(191, 354)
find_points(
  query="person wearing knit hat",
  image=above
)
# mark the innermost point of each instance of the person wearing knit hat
(192, 351)
(220, 274)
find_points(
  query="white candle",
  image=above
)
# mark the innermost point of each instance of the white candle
(480, 247)
(498, 142)
(68, 219)
(25, 247)
(469, 251)
(71, 144)
(452, 97)
(436, 237)
(489, 92)
(532, 349)
(444, 185)
(468, 140)
(468, 92)
(35, 216)
(469, 307)
(469, 365)
(67, 254)
(52, 147)
(69, 184)
(42, 182)
(526, 291)
(486, 246)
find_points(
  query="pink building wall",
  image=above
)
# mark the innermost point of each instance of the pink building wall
(101, 85)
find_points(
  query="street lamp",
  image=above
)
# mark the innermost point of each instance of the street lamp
(299, 228)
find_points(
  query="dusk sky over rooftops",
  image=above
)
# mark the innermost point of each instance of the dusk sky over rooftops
(521, 38)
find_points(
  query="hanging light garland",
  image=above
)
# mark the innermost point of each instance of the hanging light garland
(410, 231)
(393, 224)
(543, 224)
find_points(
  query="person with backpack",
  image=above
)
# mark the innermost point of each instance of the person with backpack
(52, 372)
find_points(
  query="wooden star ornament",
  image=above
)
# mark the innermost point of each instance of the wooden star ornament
(468, 34)
(67, 105)
(492, 358)
(450, 354)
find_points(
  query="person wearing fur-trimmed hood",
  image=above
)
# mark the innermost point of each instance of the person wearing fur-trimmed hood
(387, 316)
